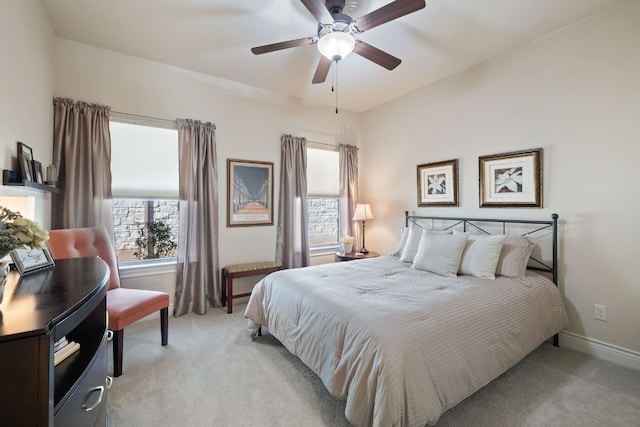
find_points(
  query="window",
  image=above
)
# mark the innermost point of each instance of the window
(323, 198)
(144, 173)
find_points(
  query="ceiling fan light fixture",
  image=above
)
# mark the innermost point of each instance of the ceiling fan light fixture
(336, 45)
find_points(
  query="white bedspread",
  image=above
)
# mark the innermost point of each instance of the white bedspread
(403, 345)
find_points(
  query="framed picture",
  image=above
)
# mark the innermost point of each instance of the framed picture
(511, 179)
(31, 260)
(249, 193)
(25, 157)
(438, 184)
(37, 172)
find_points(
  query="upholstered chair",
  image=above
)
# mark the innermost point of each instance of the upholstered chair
(124, 305)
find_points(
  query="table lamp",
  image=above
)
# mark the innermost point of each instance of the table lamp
(363, 213)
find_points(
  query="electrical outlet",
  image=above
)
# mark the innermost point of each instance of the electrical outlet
(600, 312)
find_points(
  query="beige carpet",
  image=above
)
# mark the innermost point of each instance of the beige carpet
(212, 374)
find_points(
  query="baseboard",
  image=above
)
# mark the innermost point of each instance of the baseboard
(601, 350)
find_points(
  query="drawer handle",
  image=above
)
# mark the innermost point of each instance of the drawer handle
(100, 396)
(109, 381)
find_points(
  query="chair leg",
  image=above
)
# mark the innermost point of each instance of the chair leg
(118, 341)
(164, 325)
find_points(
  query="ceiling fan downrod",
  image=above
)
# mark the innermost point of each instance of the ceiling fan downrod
(335, 6)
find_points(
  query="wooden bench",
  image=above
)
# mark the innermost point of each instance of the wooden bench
(235, 271)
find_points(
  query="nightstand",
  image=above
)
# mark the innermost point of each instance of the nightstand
(350, 256)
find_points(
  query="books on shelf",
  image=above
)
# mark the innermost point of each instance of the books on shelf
(60, 343)
(63, 348)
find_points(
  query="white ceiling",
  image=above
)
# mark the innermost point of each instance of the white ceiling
(214, 37)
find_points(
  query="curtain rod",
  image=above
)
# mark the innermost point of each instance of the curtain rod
(328, 144)
(137, 119)
(144, 117)
(131, 118)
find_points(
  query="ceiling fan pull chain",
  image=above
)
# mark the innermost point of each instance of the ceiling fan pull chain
(335, 78)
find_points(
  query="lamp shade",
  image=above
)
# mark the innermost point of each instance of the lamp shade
(336, 45)
(363, 212)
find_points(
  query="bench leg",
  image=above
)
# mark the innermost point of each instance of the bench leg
(229, 295)
(224, 287)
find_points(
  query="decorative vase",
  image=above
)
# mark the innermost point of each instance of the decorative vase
(346, 248)
(4, 275)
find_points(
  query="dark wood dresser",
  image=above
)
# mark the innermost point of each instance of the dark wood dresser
(68, 300)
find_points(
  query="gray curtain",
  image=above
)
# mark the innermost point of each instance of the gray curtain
(82, 151)
(348, 188)
(292, 247)
(197, 282)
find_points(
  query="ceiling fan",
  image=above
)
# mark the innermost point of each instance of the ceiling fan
(337, 39)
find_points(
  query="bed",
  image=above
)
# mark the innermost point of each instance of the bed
(405, 337)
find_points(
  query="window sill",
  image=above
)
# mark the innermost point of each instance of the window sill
(147, 268)
(323, 251)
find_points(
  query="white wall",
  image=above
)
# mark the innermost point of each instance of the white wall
(576, 94)
(26, 88)
(249, 123)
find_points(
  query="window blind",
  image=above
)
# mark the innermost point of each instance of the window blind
(323, 172)
(144, 161)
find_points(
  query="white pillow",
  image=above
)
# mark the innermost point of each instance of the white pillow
(402, 242)
(411, 245)
(480, 255)
(440, 253)
(514, 256)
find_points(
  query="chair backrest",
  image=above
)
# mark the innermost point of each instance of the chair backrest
(85, 242)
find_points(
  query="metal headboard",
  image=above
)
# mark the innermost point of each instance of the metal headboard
(477, 224)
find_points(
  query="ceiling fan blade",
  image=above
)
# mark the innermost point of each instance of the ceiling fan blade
(282, 45)
(318, 9)
(376, 55)
(388, 13)
(323, 69)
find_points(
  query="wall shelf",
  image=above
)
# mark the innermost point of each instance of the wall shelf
(13, 179)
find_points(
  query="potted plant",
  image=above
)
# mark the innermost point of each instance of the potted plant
(346, 244)
(155, 241)
(17, 232)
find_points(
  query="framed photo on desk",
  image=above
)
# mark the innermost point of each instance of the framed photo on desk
(31, 260)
